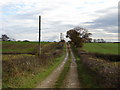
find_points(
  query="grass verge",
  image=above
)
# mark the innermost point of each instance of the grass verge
(85, 76)
(31, 82)
(63, 74)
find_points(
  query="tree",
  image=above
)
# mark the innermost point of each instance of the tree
(99, 40)
(79, 35)
(102, 41)
(26, 41)
(5, 37)
(94, 40)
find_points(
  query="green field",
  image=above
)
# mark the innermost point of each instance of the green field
(20, 47)
(105, 48)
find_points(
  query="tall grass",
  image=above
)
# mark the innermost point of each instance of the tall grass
(25, 70)
(32, 81)
(96, 72)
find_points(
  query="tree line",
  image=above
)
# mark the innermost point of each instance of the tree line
(77, 35)
(5, 37)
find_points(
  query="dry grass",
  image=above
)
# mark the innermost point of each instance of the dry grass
(107, 73)
(24, 65)
(102, 67)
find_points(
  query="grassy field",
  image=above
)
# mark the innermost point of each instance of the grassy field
(21, 47)
(105, 48)
(26, 70)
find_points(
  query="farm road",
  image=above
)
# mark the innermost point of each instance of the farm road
(49, 82)
(72, 80)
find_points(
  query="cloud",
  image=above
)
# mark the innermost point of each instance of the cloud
(108, 22)
(20, 17)
(105, 26)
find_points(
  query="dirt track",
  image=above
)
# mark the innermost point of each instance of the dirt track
(49, 82)
(71, 80)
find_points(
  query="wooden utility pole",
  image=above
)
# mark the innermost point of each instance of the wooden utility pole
(39, 48)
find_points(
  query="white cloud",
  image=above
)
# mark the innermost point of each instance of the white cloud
(57, 16)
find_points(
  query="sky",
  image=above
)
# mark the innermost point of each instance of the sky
(20, 18)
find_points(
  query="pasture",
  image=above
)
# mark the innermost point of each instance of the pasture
(103, 48)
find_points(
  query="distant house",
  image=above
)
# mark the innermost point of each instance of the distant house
(0, 39)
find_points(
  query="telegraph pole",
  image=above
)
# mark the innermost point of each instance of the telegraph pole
(39, 48)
